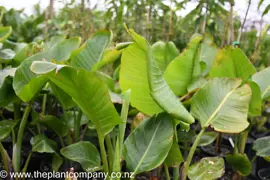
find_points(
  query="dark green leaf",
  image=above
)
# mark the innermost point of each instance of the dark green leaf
(84, 153)
(149, 144)
(42, 144)
(240, 163)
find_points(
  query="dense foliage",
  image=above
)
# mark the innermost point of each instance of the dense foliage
(94, 102)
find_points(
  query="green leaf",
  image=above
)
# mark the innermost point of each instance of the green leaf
(180, 71)
(6, 54)
(209, 168)
(57, 161)
(64, 99)
(262, 146)
(232, 62)
(263, 81)
(255, 104)
(93, 51)
(84, 153)
(6, 127)
(109, 56)
(266, 10)
(174, 157)
(27, 84)
(164, 53)
(156, 86)
(207, 138)
(211, 104)
(42, 144)
(7, 94)
(4, 33)
(240, 163)
(55, 124)
(149, 144)
(89, 93)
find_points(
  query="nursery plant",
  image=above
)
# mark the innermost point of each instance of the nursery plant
(151, 114)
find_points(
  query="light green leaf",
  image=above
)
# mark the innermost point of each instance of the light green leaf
(6, 127)
(109, 56)
(209, 168)
(93, 51)
(180, 71)
(84, 153)
(42, 144)
(27, 84)
(6, 54)
(262, 146)
(240, 163)
(164, 53)
(207, 138)
(5, 32)
(64, 99)
(223, 105)
(255, 105)
(149, 144)
(156, 86)
(89, 93)
(232, 62)
(262, 78)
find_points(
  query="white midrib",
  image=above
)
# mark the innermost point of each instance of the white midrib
(219, 106)
(150, 143)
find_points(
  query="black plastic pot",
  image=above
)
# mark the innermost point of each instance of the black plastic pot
(264, 174)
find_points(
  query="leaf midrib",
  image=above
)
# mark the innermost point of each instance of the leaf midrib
(146, 152)
(219, 106)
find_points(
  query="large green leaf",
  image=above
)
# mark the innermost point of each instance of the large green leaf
(42, 144)
(88, 92)
(240, 163)
(84, 153)
(150, 92)
(4, 33)
(164, 53)
(93, 51)
(26, 84)
(262, 146)
(185, 72)
(179, 72)
(149, 144)
(6, 127)
(232, 62)
(223, 105)
(209, 168)
(262, 78)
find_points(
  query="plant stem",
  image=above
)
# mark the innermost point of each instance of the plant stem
(103, 153)
(27, 162)
(176, 173)
(235, 149)
(243, 24)
(110, 151)
(77, 125)
(167, 172)
(18, 145)
(243, 141)
(4, 156)
(191, 153)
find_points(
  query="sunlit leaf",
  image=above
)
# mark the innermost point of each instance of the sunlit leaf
(211, 104)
